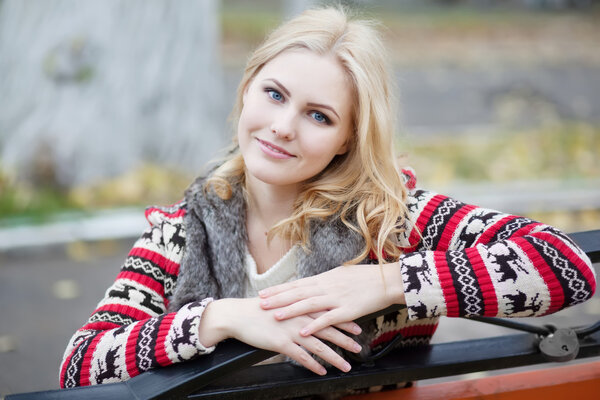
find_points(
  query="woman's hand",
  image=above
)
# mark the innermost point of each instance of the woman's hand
(340, 295)
(244, 320)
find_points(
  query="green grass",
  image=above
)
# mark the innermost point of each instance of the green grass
(20, 203)
(559, 152)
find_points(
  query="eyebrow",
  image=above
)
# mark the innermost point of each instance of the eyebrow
(324, 106)
(287, 92)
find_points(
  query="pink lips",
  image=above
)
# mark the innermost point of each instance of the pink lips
(272, 150)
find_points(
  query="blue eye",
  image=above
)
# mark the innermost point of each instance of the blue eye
(274, 94)
(319, 117)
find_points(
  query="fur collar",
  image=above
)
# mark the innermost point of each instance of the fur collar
(213, 264)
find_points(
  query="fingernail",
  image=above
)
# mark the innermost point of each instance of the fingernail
(346, 367)
(357, 347)
(357, 330)
(322, 371)
(264, 303)
(304, 332)
(278, 315)
(262, 293)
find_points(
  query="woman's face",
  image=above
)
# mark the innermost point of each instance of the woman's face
(296, 117)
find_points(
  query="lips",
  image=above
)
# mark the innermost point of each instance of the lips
(273, 150)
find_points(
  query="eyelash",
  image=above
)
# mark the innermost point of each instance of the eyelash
(270, 91)
(325, 121)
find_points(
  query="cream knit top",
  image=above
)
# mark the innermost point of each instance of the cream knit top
(283, 271)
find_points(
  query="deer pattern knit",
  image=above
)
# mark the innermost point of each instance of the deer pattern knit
(460, 260)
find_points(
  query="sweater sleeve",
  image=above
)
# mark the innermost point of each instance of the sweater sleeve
(129, 332)
(468, 260)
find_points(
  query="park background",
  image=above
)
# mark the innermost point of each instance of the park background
(106, 107)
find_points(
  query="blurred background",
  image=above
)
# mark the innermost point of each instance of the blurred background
(106, 107)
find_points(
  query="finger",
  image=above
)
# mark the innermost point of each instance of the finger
(327, 319)
(273, 290)
(336, 337)
(320, 349)
(289, 297)
(306, 306)
(300, 355)
(350, 327)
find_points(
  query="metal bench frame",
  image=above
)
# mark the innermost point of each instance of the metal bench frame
(228, 373)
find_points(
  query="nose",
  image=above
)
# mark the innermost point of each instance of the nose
(283, 125)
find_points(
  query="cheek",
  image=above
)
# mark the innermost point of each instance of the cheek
(322, 149)
(252, 117)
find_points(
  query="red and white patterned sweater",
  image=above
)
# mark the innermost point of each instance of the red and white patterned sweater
(469, 261)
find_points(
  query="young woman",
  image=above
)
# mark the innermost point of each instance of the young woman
(276, 246)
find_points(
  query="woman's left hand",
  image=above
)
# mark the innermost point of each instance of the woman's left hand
(339, 295)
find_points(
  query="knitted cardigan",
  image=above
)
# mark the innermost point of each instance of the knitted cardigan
(467, 260)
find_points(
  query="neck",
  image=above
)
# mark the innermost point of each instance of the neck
(269, 203)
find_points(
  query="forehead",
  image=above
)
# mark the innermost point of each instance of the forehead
(311, 76)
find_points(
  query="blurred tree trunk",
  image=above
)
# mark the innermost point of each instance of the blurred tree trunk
(99, 87)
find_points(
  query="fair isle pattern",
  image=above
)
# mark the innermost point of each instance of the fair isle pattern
(423, 286)
(151, 241)
(465, 281)
(148, 268)
(415, 341)
(172, 232)
(110, 317)
(470, 261)
(474, 223)
(511, 227)
(412, 331)
(550, 232)
(437, 222)
(146, 344)
(125, 335)
(182, 340)
(110, 368)
(522, 290)
(415, 204)
(409, 178)
(70, 377)
(130, 293)
(573, 284)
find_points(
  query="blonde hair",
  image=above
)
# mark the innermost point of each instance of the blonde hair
(362, 186)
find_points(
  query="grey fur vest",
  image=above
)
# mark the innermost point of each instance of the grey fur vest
(213, 264)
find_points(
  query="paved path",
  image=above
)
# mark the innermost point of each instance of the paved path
(45, 296)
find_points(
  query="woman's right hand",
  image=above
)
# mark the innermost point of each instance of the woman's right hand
(246, 321)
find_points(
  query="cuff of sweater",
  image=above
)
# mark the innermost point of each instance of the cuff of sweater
(182, 341)
(422, 289)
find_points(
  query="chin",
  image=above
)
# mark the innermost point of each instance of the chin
(274, 179)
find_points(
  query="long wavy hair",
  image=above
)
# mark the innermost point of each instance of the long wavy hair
(363, 186)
